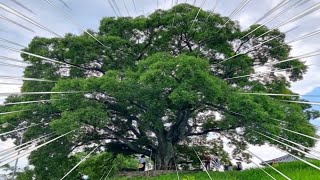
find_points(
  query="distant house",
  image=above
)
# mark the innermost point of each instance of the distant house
(282, 159)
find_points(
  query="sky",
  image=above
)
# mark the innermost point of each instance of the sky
(88, 14)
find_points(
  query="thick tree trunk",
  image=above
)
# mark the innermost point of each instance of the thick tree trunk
(164, 156)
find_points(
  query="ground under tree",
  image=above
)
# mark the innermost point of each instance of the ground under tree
(160, 86)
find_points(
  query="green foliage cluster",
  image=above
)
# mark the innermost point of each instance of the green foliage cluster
(96, 166)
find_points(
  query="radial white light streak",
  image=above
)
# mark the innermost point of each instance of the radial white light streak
(12, 11)
(80, 162)
(33, 149)
(270, 166)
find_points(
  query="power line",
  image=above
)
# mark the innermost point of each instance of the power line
(23, 6)
(303, 56)
(301, 134)
(117, 7)
(260, 44)
(28, 102)
(203, 166)
(303, 2)
(12, 59)
(15, 12)
(256, 74)
(295, 18)
(302, 102)
(13, 153)
(298, 133)
(11, 112)
(115, 12)
(39, 93)
(175, 12)
(292, 142)
(214, 7)
(103, 173)
(278, 6)
(280, 70)
(32, 149)
(11, 42)
(290, 59)
(285, 122)
(289, 145)
(196, 17)
(295, 132)
(304, 36)
(26, 79)
(11, 65)
(125, 6)
(310, 164)
(294, 148)
(18, 24)
(2, 134)
(44, 137)
(14, 84)
(134, 5)
(41, 57)
(75, 23)
(236, 11)
(157, 4)
(264, 171)
(96, 147)
(80, 162)
(273, 18)
(109, 172)
(273, 94)
(270, 166)
(65, 4)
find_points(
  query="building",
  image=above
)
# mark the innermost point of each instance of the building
(282, 159)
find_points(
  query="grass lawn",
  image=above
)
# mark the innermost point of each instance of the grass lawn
(295, 170)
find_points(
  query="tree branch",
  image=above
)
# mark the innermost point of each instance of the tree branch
(216, 130)
(133, 129)
(225, 110)
(205, 132)
(146, 46)
(126, 141)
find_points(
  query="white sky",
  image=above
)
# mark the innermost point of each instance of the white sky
(89, 13)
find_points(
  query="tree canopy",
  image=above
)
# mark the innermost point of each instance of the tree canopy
(160, 87)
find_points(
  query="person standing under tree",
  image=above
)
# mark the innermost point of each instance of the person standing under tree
(207, 161)
(239, 166)
(142, 163)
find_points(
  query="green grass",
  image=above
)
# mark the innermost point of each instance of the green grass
(294, 170)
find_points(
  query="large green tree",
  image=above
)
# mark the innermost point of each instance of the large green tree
(159, 87)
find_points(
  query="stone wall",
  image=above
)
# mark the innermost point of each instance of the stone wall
(148, 173)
